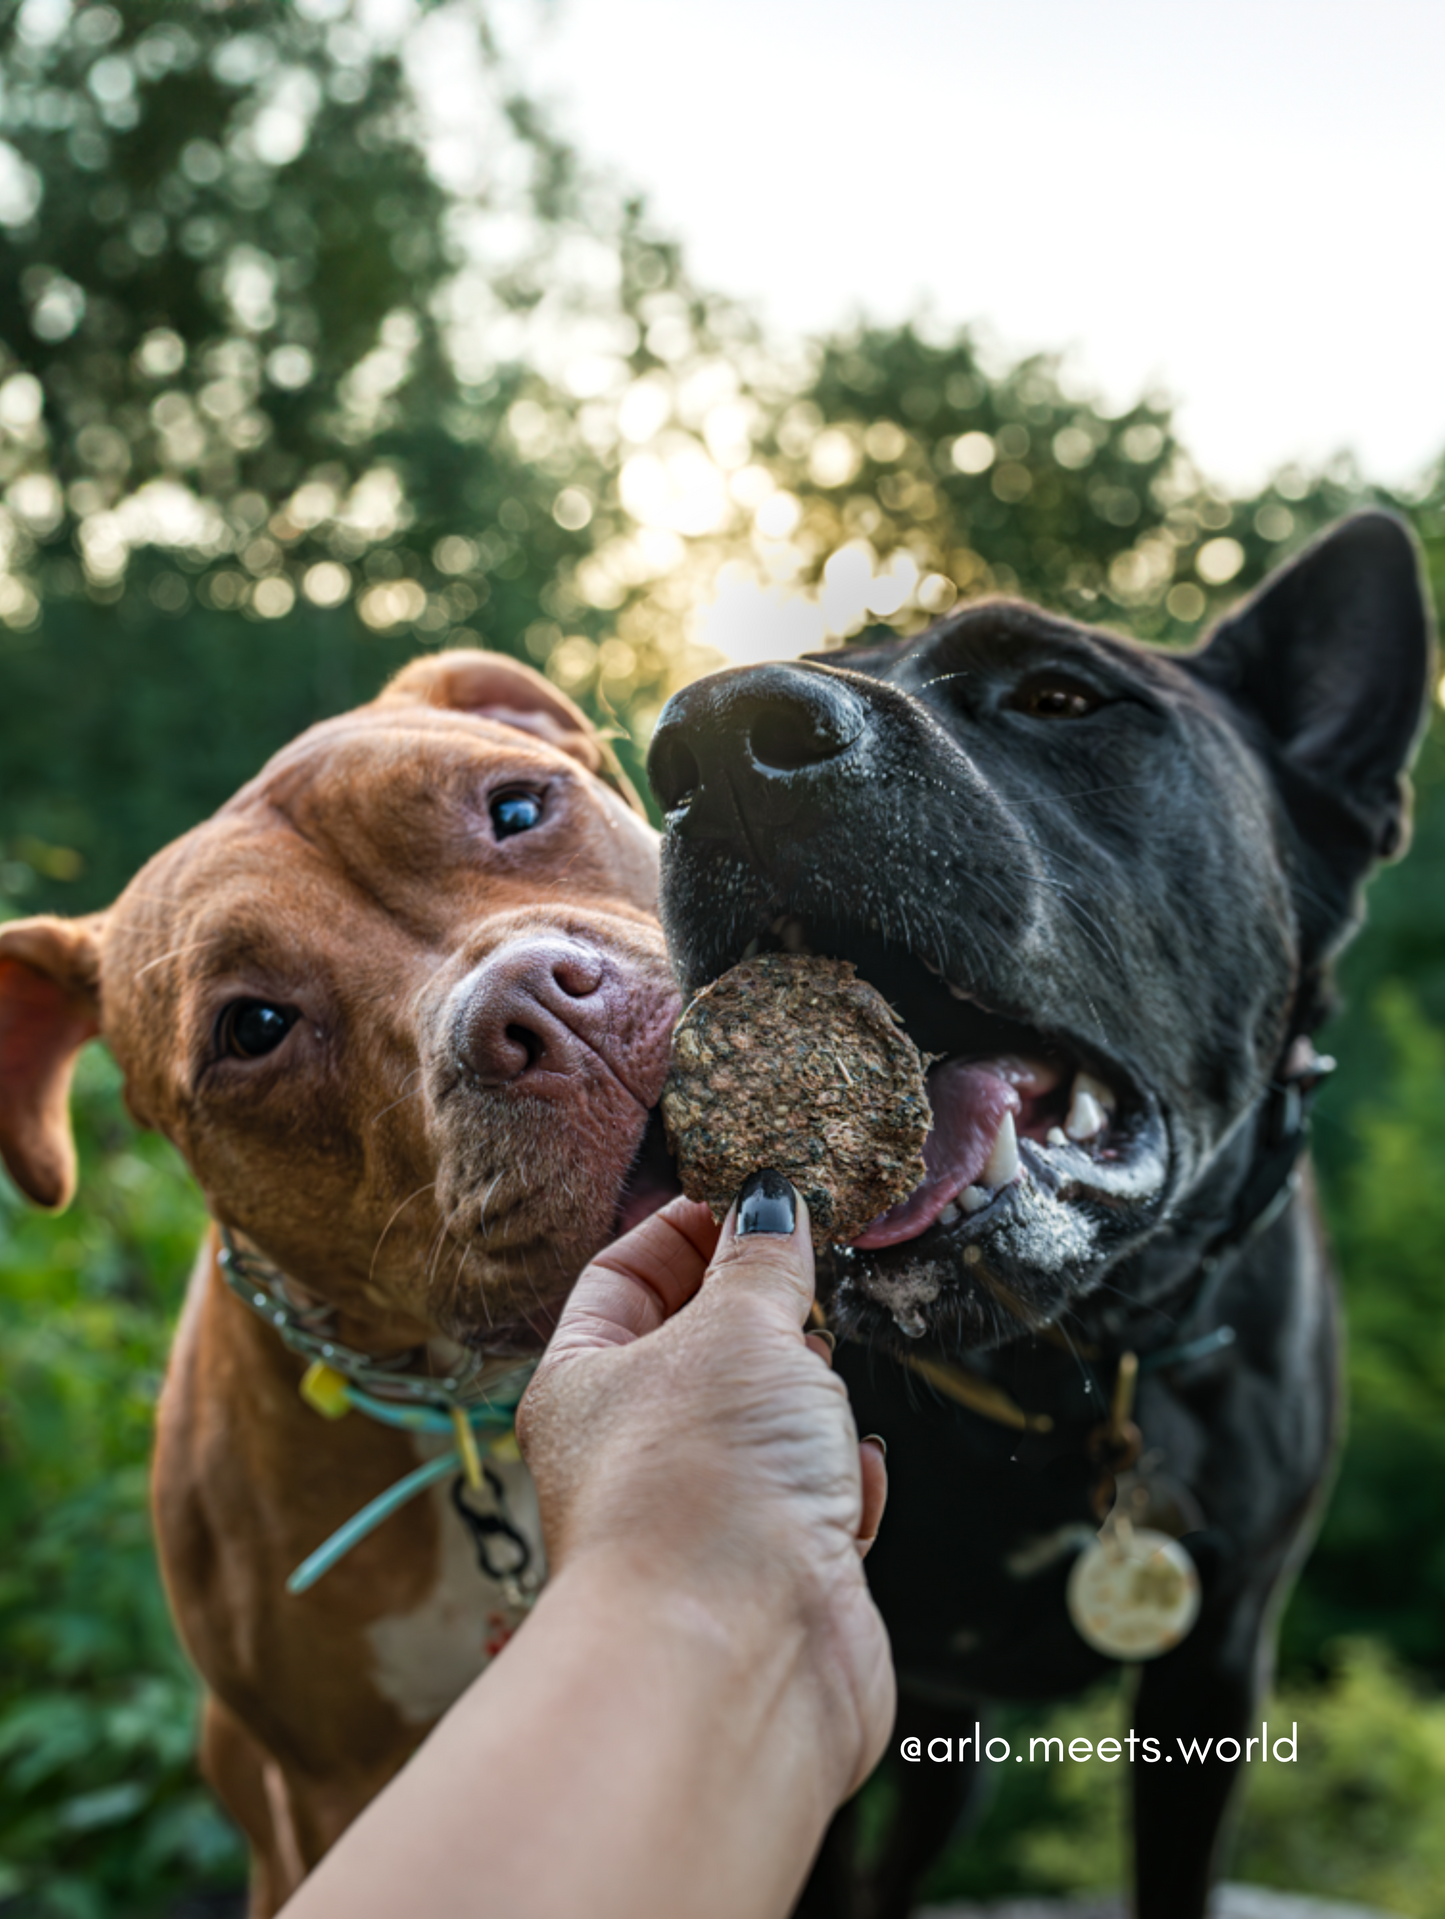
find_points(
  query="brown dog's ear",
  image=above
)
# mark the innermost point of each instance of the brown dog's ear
(49, 1008)
(496, 687)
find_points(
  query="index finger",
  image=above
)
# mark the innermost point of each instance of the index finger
(639, 1281)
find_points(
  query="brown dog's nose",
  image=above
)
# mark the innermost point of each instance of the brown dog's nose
(536, 1006)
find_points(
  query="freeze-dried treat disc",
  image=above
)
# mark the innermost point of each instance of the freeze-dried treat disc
(799, 1065)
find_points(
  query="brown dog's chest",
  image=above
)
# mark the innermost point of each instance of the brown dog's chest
(425, 1658)
(250, 1481)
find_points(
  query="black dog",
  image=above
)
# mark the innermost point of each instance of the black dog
(1105, 885)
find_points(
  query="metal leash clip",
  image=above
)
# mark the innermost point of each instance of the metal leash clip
(503, 1551)
(1133, 1593)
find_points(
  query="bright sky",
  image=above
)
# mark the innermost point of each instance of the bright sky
(1239, 202)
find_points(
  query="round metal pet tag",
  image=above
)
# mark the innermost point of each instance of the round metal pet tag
(1134, 1594)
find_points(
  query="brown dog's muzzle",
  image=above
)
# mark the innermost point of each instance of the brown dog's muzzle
(538, 1013)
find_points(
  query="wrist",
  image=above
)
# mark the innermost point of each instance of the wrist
(749, 1656)
(634, 1752)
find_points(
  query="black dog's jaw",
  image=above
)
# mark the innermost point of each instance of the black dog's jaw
(1103, 886)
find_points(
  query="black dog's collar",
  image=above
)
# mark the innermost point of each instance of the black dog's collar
(1283, 1130)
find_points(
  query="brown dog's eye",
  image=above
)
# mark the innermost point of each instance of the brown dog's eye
(251, 1028)
(515, 813)
(1056, 700)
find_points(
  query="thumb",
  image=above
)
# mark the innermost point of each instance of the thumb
(766, 1245)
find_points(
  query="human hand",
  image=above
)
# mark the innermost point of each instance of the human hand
(682, 1430)
(705, 1677)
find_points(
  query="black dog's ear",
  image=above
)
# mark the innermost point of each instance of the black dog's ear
(1332, 658)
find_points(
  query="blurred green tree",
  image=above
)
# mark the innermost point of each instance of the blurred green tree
(295, 378)
(262, 377)
(238, 306)
(100, 1807)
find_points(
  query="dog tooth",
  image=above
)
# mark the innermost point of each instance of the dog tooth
(1086, 1116)
(752, 949)
(1104, 1094)
(1003, 1161)
(974, 1198)
(957, 991)
(911, 1324)
(948, 1215)
(1057, 1136)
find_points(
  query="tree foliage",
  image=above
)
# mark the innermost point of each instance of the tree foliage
(230, 295)
(270, 351)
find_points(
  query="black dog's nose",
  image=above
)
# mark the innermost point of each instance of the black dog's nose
(774, 720)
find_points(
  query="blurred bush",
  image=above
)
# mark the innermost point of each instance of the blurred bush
(100, 1807)
(1355, 1817)
(317, 348)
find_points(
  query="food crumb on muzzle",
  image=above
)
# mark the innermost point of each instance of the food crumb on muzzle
(797, 1064)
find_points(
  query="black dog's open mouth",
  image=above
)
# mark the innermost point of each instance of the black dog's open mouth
(1021, 1117)
(1037, 1139)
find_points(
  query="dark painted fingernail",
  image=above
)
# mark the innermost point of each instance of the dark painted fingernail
(767, 1204)
(875, 1439)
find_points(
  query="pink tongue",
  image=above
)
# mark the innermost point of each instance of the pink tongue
(969, 1101)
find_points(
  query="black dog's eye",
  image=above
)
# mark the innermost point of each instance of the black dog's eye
(251, 1028)
(515, 813)
(1056, 700)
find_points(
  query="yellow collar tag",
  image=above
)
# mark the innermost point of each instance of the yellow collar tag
(325, 1390)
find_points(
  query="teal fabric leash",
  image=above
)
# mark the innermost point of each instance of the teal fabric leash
(494, 1418)
(336, 1382)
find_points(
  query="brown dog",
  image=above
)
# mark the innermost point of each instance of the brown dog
(404, 1007)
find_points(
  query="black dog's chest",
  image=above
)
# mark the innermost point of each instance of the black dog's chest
(983, 1524)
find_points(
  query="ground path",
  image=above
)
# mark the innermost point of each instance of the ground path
(1230, 1902)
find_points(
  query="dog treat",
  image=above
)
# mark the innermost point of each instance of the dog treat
(799, 1065)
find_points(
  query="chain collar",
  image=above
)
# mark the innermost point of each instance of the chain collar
(308, 1331)
(1282, 1133)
